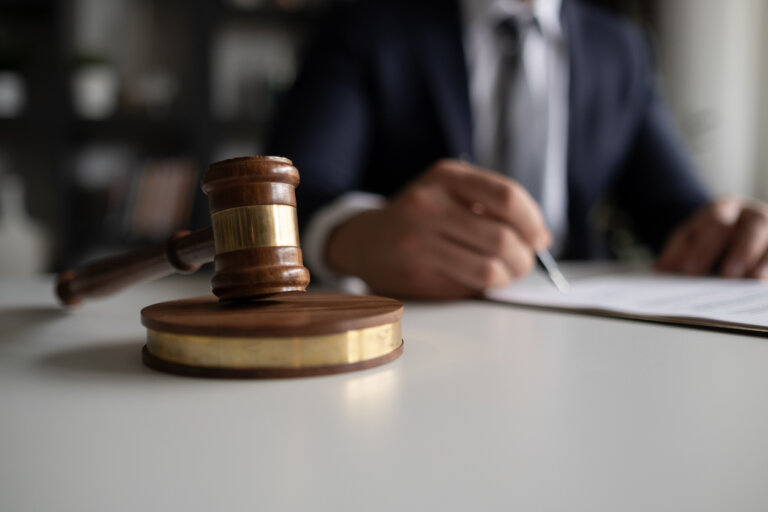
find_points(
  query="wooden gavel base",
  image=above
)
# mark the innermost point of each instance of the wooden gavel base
(284, 335)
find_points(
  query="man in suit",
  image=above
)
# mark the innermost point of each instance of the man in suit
(396, 99)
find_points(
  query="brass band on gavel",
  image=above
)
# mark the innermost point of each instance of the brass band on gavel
(286, 335)
(252, 202)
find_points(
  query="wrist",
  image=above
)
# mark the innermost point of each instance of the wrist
(346, 247)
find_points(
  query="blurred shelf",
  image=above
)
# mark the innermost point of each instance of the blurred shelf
(51, 145)
(297, 16)
(26, 8)
(240, 127)
(24, 126)
(133, 129)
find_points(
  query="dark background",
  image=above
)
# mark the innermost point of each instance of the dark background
(194, 81)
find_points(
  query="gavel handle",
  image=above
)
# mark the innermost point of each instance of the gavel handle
(184, 252)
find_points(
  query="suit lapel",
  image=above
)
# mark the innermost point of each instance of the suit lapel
(579, 76)
(577, 101)
(439, 46)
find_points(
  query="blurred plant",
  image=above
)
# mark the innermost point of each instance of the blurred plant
(88, 59)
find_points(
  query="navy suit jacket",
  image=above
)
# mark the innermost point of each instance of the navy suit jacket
(383, 93)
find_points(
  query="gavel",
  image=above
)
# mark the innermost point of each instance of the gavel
(259, 327)
(253, 239)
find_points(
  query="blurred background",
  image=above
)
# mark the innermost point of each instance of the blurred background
(111, 109)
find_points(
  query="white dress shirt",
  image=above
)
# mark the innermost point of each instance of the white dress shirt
(545, 64)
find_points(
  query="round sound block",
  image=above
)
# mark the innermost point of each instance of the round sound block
(284, 335)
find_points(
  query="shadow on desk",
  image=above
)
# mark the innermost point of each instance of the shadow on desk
(116, 358)
(42, 330)
(15, 320)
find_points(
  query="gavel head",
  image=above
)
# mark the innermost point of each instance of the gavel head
(255, 230)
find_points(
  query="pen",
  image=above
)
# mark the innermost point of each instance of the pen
(543, 257)
(549, 265)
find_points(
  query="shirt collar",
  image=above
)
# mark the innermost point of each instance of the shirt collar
(546, 12)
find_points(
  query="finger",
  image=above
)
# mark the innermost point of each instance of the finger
(487, 236)
(466, 266)
(675, 248)
(476, 231)
(761, 269)
(748, 244)
(498, 196)
(707, 247)
(698, 245)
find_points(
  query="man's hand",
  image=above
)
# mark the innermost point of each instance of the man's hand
(729, 237)
(453, 232)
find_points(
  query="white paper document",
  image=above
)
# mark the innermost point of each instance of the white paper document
(734, 304)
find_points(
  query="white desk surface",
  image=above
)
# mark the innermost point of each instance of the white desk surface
(491, 407)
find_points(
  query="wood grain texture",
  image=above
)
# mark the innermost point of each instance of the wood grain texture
(250, 180)
(184, 252)
(243, 182)
(284, 315)
(258, 272)
(243, 185)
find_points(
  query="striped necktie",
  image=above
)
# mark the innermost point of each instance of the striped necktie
(521, 131)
